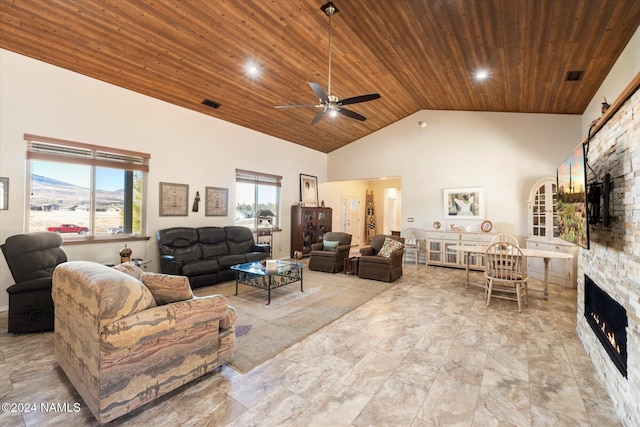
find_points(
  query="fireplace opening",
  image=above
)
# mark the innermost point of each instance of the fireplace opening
(608, 319)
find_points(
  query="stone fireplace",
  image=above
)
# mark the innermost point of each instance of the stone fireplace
(608, 320)
(613, 262)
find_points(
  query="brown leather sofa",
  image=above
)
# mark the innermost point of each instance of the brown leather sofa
(205, 255)
(371, 265)
(329, 255)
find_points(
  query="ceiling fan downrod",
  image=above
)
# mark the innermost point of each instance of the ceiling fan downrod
(329, 9)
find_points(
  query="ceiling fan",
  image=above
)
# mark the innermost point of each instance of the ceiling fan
(329, 103)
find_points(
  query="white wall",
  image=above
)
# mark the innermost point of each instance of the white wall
(623, 71)
(506, 153)
(185, 146)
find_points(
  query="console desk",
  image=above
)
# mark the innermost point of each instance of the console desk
(546, 255)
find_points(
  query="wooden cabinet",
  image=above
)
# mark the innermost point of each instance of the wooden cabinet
(439, 250)
(543, 231)
(308, 225)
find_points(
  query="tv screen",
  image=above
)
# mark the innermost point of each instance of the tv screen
(572, 199)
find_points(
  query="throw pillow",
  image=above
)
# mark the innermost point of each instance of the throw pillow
(388, 247)
(130, 268)
(330, 246)
(167, 288)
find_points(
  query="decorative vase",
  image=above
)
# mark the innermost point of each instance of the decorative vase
(125, 254)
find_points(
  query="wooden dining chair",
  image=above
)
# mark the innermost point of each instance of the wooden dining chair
(508, 238)
(506, 273)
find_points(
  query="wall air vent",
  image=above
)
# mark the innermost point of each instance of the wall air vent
(574, 76)
(210, 103)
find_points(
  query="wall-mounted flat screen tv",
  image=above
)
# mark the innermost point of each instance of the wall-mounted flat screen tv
(572, 199)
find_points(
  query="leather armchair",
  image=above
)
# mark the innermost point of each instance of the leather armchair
(371, 265)
(330, 259)
(31, 258)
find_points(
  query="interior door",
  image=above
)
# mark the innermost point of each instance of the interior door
(351, 217)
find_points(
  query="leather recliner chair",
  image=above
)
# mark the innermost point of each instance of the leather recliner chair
(31, 258)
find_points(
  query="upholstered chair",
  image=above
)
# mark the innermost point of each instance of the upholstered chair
(329, 255)
(382, 261)
(31, 258)
(125, 337)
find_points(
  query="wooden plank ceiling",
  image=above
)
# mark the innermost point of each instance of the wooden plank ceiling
(416, 54)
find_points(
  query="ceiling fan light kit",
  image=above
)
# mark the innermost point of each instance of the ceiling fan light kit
(327, 102)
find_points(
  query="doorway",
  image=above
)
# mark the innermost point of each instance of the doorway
(351, 217)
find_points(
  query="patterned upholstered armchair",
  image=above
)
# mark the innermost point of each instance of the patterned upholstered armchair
(382, 260)
(329, 255)
(124, 337)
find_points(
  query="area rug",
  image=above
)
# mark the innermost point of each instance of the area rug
(262, 331)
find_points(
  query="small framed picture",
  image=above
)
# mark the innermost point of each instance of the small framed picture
(464, 203)
(309, 190)
(216, 201)
(4, 193)
(174, 199)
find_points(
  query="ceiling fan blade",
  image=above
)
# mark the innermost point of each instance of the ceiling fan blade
(317, 118)
(361, 98)
(319, 91)
(298, 106)
(351, 114)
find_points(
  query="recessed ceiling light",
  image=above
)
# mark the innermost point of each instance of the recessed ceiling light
(481, 75)
(422, 124)
(252, 69)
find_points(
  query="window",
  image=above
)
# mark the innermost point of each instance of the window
(85, 190)
(257, 198)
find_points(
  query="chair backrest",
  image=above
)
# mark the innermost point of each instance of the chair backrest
(505, 261)
(337, 236)
(33, 255)
(378, 241)
(508, 238)
(412, 237)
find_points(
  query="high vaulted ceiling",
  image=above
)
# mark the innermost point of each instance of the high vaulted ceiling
(418, 54)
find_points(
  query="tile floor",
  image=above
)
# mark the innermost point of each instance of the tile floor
(426, 352)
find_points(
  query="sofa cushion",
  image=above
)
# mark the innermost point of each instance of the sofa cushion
(229, 260)
(214, 250)
(130, 268)
(177, 237)
(330, 246)
(239, 239)
(167, 288)
(212, 235)
(200, 267)
(388, 247)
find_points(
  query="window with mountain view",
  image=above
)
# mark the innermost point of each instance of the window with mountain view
(82, 190)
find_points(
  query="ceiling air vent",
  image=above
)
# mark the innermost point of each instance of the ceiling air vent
(210, 103)
(574, 76)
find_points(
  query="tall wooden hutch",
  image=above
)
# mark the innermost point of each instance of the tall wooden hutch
(308, 225)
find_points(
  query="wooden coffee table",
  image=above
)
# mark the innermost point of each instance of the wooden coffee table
(255, 274)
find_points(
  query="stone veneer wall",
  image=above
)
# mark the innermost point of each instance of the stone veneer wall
(613, 261)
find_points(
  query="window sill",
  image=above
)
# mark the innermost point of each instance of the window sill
(103, 239)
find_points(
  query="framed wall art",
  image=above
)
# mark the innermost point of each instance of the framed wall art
(216, 201)
(464, 203)
(4, 193)
(308, 190)
(174, 199)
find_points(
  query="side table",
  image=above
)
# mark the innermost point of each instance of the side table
(351, 265)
